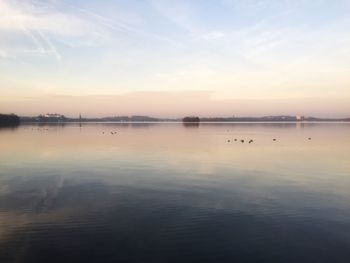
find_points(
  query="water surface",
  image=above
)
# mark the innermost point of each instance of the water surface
(174, 193)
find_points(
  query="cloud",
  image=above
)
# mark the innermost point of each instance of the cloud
(181, 13)
(52, 48)
(213, 35)
(3, 54)
(14, 15)
(44, 25)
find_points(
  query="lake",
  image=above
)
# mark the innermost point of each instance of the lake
(108, 192)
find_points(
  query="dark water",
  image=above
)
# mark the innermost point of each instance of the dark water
(174, 193)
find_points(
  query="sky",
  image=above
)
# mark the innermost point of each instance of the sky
(170, 58)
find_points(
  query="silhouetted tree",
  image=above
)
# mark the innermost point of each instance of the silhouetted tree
(9, 119)
(191, 119)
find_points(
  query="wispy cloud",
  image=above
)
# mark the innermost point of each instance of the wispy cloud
(181, 13)
(3, 54)
(213, 35)
(51, 46)
(14, 14)
(44, 24)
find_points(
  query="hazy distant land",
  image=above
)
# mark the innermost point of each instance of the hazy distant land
(12, 119)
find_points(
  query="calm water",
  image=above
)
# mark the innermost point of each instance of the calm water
(174, 193)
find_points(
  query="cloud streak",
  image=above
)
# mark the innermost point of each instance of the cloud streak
(43, 25)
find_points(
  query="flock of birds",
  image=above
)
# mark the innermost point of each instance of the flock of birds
(40, 129)
(251, 140)
(112, 132)
(115, 132)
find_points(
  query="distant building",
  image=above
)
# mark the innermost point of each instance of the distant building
(299, 118)
(53, 115)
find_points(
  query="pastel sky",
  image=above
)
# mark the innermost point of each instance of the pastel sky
(174, 58)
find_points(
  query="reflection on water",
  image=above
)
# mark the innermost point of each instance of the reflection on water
(174, 193)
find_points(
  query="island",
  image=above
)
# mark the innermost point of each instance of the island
(191, 119)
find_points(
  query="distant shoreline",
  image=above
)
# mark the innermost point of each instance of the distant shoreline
(12, 119)
(178, 122)
(200, 120)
